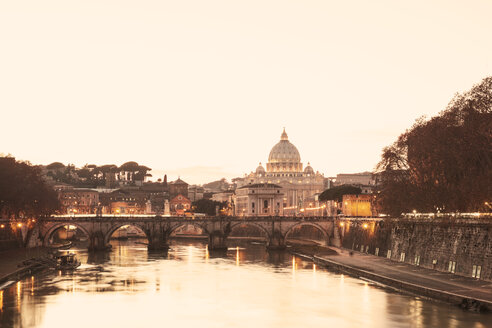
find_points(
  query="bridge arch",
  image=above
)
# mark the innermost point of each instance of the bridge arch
(49, 233)
(252, 224)
(184, 224)
(118, 225)
(326, 234)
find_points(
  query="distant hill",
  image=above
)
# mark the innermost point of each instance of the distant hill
(217, 186)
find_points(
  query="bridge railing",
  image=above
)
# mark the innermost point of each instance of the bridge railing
(69, 217)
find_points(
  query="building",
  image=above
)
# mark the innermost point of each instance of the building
(178, 187)
(157, 193)
(78, 200)
(355, 179)
(259, 199)
(225, 196)
(357, 205)
(124, 201)
(285, 169)
(195, 192)
(179, 205)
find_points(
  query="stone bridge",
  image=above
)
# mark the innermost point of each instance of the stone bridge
(158, 229)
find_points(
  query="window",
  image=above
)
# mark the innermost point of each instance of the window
(265, 203)
(388, 254)
(402, 257)
(452, 266)
(417, 260)
(476, 272)
(376, 252)
(253, 205)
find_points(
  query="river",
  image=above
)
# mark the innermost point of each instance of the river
(129, 287)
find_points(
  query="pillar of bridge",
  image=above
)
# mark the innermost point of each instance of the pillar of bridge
(337, 236)
(97, 242)
(158, 241)
(276, 241)
(217, 241)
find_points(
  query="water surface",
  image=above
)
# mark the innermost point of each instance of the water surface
(129, 287)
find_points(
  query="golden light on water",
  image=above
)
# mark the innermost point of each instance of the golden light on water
(137, 298)
(294, 264)
(19, 289)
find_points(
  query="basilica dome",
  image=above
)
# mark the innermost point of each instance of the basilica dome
(284, 151)
(309, 169)
(260, 169)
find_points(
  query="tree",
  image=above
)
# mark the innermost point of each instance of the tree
(445, 163)
(207, 206)
(23, 192)
(55, 166)
(336, 193)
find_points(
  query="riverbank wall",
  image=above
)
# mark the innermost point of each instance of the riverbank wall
(462, 246)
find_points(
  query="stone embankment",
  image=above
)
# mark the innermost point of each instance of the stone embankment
(461, 246)
(471, 294)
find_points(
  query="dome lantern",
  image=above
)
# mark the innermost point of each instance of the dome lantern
(284, 136)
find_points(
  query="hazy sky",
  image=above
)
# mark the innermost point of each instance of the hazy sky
(202, 88)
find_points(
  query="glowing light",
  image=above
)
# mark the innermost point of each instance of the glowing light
(19, 286)
(341, 224)
(365, 226)
(1, 300)
(237, 255)
(19, 225)
(33, 220)
(2, 226)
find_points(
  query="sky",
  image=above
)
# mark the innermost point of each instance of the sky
(202, 89)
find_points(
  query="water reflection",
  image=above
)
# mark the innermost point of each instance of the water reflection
(130, 287)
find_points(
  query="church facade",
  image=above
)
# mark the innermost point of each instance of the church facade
(285, 169)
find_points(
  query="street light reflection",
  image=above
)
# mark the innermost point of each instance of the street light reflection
(19, 289)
